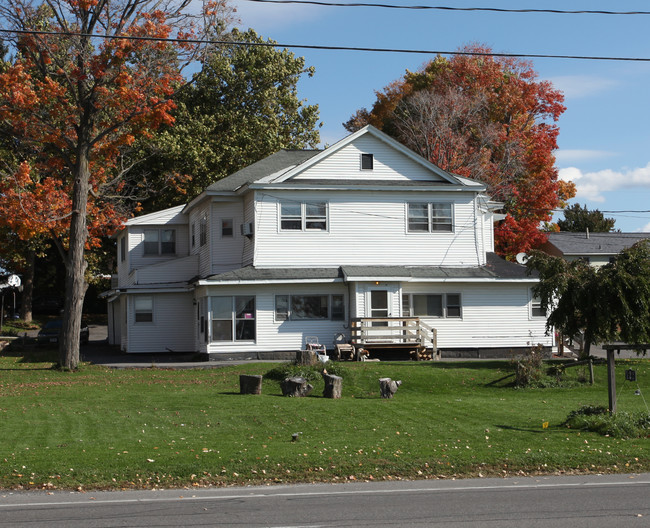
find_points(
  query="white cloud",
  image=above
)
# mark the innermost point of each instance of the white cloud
(574, 86)
(576, 155)
(645, 229)
(591, 185)
(264, 18)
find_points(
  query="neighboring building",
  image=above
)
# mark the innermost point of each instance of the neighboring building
(305, 243)
(596, 248)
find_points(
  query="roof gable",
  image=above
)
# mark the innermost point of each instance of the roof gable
(392, 162)
(173, 215)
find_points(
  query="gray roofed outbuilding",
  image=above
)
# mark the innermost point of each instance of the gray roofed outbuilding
(570, 243)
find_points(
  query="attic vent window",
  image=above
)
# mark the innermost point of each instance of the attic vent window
(366, 161)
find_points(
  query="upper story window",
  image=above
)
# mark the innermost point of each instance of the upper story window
(227, 228)
(203, 230)
(123, 249)
(159, 241)
(193, 234)
(430, 217)
(367, 161)
(305, 216)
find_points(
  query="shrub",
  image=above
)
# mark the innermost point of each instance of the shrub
(598, 420)
(529, 370)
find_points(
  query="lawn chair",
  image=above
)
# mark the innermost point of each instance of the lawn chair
(312, 344)
(343, 349)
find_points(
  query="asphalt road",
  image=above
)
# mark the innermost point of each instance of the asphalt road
(594, 501)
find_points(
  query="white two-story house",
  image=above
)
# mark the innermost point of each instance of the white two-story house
(307, 244)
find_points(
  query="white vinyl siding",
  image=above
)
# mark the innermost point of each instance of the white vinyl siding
(287, 335)
(493, 315)
(388, 164)
(364, 228)
(171, 311)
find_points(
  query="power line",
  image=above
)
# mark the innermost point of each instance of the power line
(448, 8)
(330, 48)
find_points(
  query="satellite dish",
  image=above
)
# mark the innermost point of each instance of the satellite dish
(13, 281)
(521, 258)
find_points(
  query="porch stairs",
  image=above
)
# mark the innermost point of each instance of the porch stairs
(407, 334)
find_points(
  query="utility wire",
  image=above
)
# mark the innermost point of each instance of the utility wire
(329, 48)
(448, 8)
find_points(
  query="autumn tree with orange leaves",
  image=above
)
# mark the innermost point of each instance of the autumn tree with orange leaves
(487, 118)
(86, 79)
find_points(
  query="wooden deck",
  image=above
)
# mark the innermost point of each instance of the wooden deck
(394, 333)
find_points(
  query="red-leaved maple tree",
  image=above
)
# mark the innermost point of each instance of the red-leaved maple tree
(486, 118)
(87, 77)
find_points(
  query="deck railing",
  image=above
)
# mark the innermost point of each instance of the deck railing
(393, 331)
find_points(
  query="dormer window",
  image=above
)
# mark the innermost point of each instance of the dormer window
(367, 161)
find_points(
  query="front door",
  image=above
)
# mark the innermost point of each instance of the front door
(379, 306)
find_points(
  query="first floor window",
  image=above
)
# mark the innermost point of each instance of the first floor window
(431, 305)
(309, 307)
(536, 307)
(430, 217)
(233, 318)
(143, 306)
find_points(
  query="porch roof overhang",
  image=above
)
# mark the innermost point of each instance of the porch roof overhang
(495, 270)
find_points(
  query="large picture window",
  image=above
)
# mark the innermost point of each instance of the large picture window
(299, 307)
(430, 217)
(306, 216)
(233, 318)
(159, 242)
(432, 305)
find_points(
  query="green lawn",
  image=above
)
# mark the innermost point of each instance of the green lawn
(103, 428)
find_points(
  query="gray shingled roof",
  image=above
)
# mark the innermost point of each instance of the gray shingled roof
(281, 160)
(496, 268)
(594, 244)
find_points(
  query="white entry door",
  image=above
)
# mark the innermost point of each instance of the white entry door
(379, 306)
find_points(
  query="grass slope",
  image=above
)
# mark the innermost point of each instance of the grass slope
(103, 428)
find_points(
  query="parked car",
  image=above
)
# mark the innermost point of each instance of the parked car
(50, 332)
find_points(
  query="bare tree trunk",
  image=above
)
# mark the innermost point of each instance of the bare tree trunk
(75, 266)
(28, 287)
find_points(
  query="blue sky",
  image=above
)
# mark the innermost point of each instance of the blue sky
(605, 131)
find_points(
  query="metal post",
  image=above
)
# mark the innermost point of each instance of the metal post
(611, 381)
(591, 371)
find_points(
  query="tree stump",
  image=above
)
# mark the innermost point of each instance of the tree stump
(250, 384)
(306, 357)
(388, 387)
(296, 387)
(333, 386)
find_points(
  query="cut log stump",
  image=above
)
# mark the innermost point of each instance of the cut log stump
(333, 386)
(306, 357)
(296, 387)
(388, 387)
(250, 384)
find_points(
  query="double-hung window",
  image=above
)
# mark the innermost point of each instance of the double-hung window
(300, 307)
(432, 305)
(233, 318)
(303, 216)
(203, 230)
(143, 308)
(159, 242)
(536, 307)
(430, 217)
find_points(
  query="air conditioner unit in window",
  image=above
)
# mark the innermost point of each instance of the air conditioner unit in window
(247, 229)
